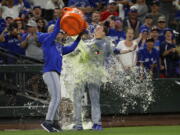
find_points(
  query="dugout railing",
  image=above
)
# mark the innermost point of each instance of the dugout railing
(23, 93)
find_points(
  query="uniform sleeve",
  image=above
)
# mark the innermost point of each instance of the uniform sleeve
(24, 37)
(52, 36)
(141, 56)
(68, 49)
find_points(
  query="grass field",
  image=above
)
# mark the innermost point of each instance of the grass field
(156, 130)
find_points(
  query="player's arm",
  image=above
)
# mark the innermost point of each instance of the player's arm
(68, 49)
(2, 37)
(52, 36)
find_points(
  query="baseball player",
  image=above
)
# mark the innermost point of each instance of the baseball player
(93, 59)
(53, 53)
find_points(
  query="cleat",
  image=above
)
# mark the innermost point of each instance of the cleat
(97, 127)
(48, 127)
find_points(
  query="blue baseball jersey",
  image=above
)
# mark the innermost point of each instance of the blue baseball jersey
(116, 35)
(2, 25)
(148, 58)
(51, 22)
(157, 45)
(12, 44)
(54, 51)
(142, 27)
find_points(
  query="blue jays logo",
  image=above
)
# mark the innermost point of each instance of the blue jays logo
(59, 48)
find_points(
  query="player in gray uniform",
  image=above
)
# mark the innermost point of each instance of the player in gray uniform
(94, 65)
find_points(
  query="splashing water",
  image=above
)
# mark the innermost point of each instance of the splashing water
(128, 86)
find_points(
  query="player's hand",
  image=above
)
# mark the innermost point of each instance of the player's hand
(82, 33)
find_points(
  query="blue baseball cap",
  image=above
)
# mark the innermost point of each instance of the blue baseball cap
(144, 30)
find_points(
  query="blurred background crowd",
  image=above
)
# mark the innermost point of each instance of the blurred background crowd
(153, 24)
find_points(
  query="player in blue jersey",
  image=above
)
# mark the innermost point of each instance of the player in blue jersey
(53, 53)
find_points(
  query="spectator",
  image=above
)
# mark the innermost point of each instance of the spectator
(142, 9)
(9, 20)
(132, 21)
(11, 39)
(126, 4)
(94, 21)
(11, 10)
(112, 10)
(141, 41)
(168, 54)
(24, 15)
(41, 25)
(37, 12)
(30, 41)
(155, 13)
(100, 5)
(155, 35)
(161, 26)
(20, 23)
(149, 58)
(147, 23)
(116, 32)
(127, 50)
(41, 3)
(56, 15)
(2, 22)
(52, 4)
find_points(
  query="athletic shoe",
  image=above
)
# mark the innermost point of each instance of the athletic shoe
(48, 127)
(97, 127)
(77, 128)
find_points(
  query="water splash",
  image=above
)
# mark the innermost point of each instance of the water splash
(131, 87)
(133, 90)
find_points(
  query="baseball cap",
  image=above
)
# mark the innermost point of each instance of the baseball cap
(36, 7)
(117, 18)
(112, 1)
(144, 30)
(32, 23)
(168, 29)
(133, 9)
(148, 17)
(154, 28)
(155, 2)
(162, 19)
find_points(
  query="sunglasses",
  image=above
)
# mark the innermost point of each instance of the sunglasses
(161, 22)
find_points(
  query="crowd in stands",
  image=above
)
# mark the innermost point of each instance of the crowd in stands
(153, 25)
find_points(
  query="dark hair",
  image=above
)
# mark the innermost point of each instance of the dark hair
(8, 17)
(36, 7)
(150, 40)
(12, 26)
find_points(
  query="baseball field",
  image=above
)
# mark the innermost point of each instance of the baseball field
(150, 130)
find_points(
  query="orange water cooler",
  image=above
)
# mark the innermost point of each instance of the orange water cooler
(72, 21)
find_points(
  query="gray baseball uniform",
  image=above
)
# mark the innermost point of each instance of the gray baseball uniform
(98, 54)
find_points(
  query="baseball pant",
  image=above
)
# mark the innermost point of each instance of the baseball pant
(52, 80)
(94, 93)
